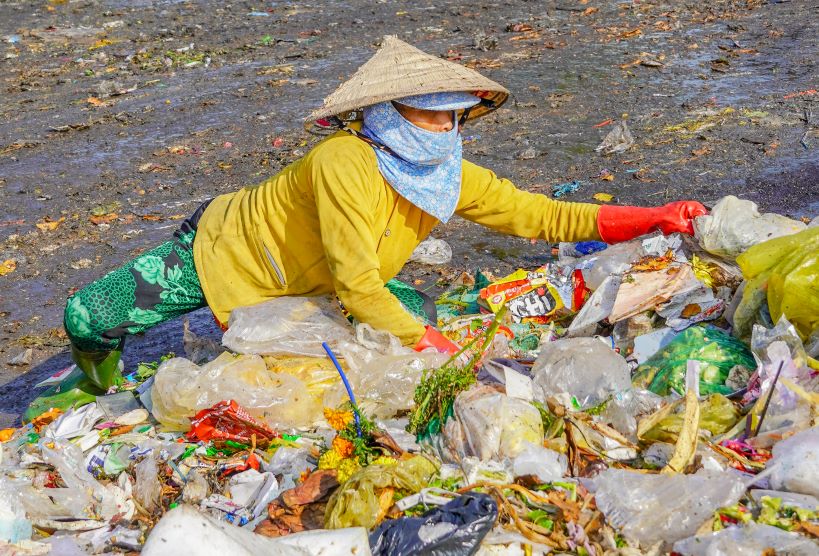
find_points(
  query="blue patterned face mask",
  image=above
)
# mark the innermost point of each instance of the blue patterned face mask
(427, 168)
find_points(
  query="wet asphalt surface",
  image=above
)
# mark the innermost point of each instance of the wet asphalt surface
(118, 118)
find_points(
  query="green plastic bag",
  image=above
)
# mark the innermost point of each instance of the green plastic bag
(784, 272)
(716, 351)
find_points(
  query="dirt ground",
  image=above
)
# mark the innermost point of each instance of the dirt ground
(117, 118)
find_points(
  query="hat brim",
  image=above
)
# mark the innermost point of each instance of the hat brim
(398, 70)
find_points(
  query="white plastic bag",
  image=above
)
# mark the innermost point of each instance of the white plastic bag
(14, 527)
(795, 463)
(751, 540)
(582, 367)
(547, 465)
(181, 389)
(654, 508)
(432, 251)
(184, 531)
(735, 224)
(294, 325)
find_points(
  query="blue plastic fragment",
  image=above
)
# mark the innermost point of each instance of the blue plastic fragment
(589, 247)
(565, 188)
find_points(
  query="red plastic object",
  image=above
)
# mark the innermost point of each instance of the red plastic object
(227, 420)
(433, 338)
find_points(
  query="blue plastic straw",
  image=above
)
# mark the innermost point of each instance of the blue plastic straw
(332, 357)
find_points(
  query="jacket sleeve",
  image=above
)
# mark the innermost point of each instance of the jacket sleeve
(496, 203)
(345, 203)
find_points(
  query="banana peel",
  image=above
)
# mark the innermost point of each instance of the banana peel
(687, 442)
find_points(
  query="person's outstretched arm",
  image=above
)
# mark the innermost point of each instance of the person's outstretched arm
(496, 203)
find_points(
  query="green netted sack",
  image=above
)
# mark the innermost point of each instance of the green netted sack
(716, 351)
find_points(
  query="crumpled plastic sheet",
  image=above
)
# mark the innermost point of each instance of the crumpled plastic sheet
(750, 540)
(186, 531)
(356, 502)
(618, 140)
(735, 224)
(795, 463)
(181, 389)
(294, 325)
(455, 529)
(432, 251)
(488, 425)
(655, 508)
(582, 367)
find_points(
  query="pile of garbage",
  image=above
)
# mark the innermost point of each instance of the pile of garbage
(655, 396)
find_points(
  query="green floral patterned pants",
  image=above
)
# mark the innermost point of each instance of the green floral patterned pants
(160, 285)
(156, 286)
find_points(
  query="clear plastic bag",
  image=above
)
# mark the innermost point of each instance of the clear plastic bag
(181, 389)
(432, 251)
(795, 464)
(67, 459)
(148, 490)
(585, 368)
(752, 539)
(14, 527)
(357, 502)
(618, 140)
(735, 224)
(654, 508)
(294, 325)
(382, 372)
(490, 425)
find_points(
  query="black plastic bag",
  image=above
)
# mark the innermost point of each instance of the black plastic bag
(454, 529)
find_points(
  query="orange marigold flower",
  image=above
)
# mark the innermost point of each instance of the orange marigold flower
(343, 446)
(338, 419)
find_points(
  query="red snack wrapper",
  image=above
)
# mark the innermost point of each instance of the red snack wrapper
(227, 420)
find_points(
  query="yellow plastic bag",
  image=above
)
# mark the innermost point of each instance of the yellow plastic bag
(785, 272)
(358, 502)
(717, 415)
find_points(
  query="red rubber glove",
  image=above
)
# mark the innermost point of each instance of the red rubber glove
(433, 338)
(617, 224)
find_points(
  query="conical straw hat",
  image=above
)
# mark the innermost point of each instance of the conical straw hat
(399, 70)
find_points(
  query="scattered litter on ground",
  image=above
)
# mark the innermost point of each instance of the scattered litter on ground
(600, 402)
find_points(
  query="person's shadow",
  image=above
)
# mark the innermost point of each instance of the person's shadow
(16, 395)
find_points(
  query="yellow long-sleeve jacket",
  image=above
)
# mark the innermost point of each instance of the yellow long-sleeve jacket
(329, 222)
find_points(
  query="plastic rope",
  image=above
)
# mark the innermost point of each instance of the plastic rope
(332, 357)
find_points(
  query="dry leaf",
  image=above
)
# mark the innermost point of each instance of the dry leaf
(7, 267)
(631, 34)
(604, 197)
(687, 440)
(48, 225)
(103, 218)
(101, 43)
